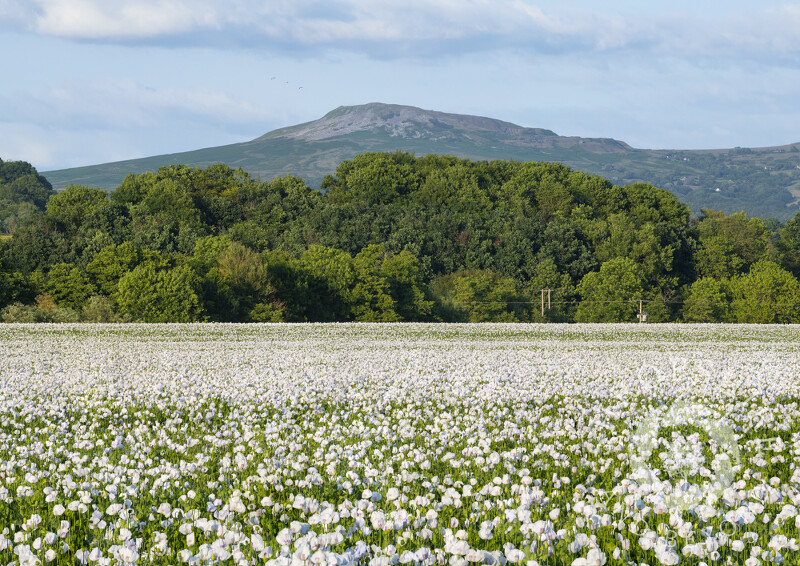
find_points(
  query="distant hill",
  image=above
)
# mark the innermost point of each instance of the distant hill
(761, 181)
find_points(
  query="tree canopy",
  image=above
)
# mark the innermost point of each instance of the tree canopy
(390, 237)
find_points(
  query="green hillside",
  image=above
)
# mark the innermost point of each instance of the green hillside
(763, 181)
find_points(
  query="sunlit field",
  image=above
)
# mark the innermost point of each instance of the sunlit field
(399, 444)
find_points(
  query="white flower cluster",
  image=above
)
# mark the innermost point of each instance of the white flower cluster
(399, 444)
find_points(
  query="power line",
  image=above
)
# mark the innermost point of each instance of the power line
(622, 301)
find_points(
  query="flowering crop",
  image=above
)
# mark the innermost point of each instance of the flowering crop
(386, 444)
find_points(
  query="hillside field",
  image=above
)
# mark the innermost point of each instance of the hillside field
(763, 181)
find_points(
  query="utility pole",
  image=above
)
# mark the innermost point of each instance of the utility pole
(542, 303)
(548, 301)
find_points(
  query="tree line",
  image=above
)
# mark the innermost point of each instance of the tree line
(389, 237)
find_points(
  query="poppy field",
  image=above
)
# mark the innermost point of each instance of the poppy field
(380, 444)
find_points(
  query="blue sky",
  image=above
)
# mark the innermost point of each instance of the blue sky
(92, 81)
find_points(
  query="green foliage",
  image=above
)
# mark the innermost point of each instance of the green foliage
(111, 263)
(403, 276)
(22, 192)
(302, 295)
(768, 294)
(544, 187)
(393, 237)
(374, 177)
(748, 237)
(647, 203)
(36, 244)
(354, 288)
(74, 205)
(274, 215)
(171, 209)
(654, 256)
(20, 313)
(69, 286)
(789, 246)
(153, 294)
(14, 288)
(266, 312)
(658, 310)
(44, 310)
(207, 251)
(370, 298)
(242, 276)
(133, 188)
(709, 300)
(242, 269)
(717, 258)
(562, 297)
(171, 200)
(564, 245)
(330, 275)
(100, 309)
(611, 294)
(481, 296)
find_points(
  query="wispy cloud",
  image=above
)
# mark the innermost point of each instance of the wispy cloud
(387, 28)
(128, 104)
(77, 124)
(92, 20)
(104, 80)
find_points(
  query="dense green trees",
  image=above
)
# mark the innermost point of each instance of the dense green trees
(23, 192)
(708, 300)
(485, 296)
(746, 240)
(391, 237)
(611, 294)
(153, 294)
(14, 288)
(68, 286)
(789, 246)
(767, 294)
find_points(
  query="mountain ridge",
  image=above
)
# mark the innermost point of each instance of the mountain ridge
(400, 121)
(761, 181)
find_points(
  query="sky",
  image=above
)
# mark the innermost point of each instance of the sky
(92, 81)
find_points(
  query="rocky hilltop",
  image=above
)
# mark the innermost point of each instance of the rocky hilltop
(762, 181)
(411, 123)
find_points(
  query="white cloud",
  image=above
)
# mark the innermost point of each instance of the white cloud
(109, 80)
(79, 124)
(775, 30)
(15, 10)
(421, 27)
(91, 19)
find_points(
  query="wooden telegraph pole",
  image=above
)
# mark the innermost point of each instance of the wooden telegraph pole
(548, 301)
(542, 303)
(642, 316)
